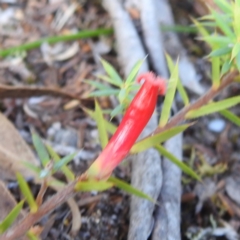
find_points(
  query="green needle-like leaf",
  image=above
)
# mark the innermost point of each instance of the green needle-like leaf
(163, 151)
(32, 236)
(67, 172)
(63, 162)
(97, 84)
(41, 150)
(111, 128)
(154, 140)
(167, 105)
(92, 185)
(209, 24)
(236, 25)
(235, 50)
(117, 110)
(102, 131)
(104, 92)
(208, 17)
(202, 30)
(224, 6)
(213, 107)
(132, 75)
(45, 173)
(27, 193)
(238, 61)
(109, 80)
(11, 217)
(216, 39)
(134, 87)
(32, 166)
(55, 39)
(222, 22)
(112, 73)
(215, 72)
(225, 67)
(231, 117)
(129, 189)
(122, 95)
(178, 28)
(180, 87)
(237, 2)
(220, 52)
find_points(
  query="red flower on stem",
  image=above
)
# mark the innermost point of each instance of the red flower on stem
(135, 119)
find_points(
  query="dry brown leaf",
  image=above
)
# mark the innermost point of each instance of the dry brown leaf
(232, 187)
(71, 104)
(13, 151)
(59, 52)
(202, 6)
(226, 204)
(134, 13)
(36, 230)
(7, 202)
(231, 207)
(224, 146)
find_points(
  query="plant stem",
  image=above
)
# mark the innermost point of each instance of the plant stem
(63, 195)
(55, 39)
(24, 225)
(41, 192)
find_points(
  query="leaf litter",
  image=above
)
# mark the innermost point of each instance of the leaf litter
(58, 71)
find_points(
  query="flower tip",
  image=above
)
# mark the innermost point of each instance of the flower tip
(162, 84)
(148, 76)
(155, 80)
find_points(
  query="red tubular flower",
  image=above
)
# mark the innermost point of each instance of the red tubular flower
(137, 116)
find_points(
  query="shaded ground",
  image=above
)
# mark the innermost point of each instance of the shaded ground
(210, 149)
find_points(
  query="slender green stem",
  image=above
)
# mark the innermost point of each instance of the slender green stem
(55, 39)
(179, 28)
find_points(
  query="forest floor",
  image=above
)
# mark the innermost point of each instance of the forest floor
(210, 147)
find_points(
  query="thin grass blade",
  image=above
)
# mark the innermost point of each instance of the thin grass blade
(163, 151)
(102, 131)
(130, 189)
(41, 149)
(27, 193)
(152, 141)
(112, 73)
(213, 107)
(56, 158)
(231, 117)
(11, 217)
(93, 186)
(180, 87)
(169, 97)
